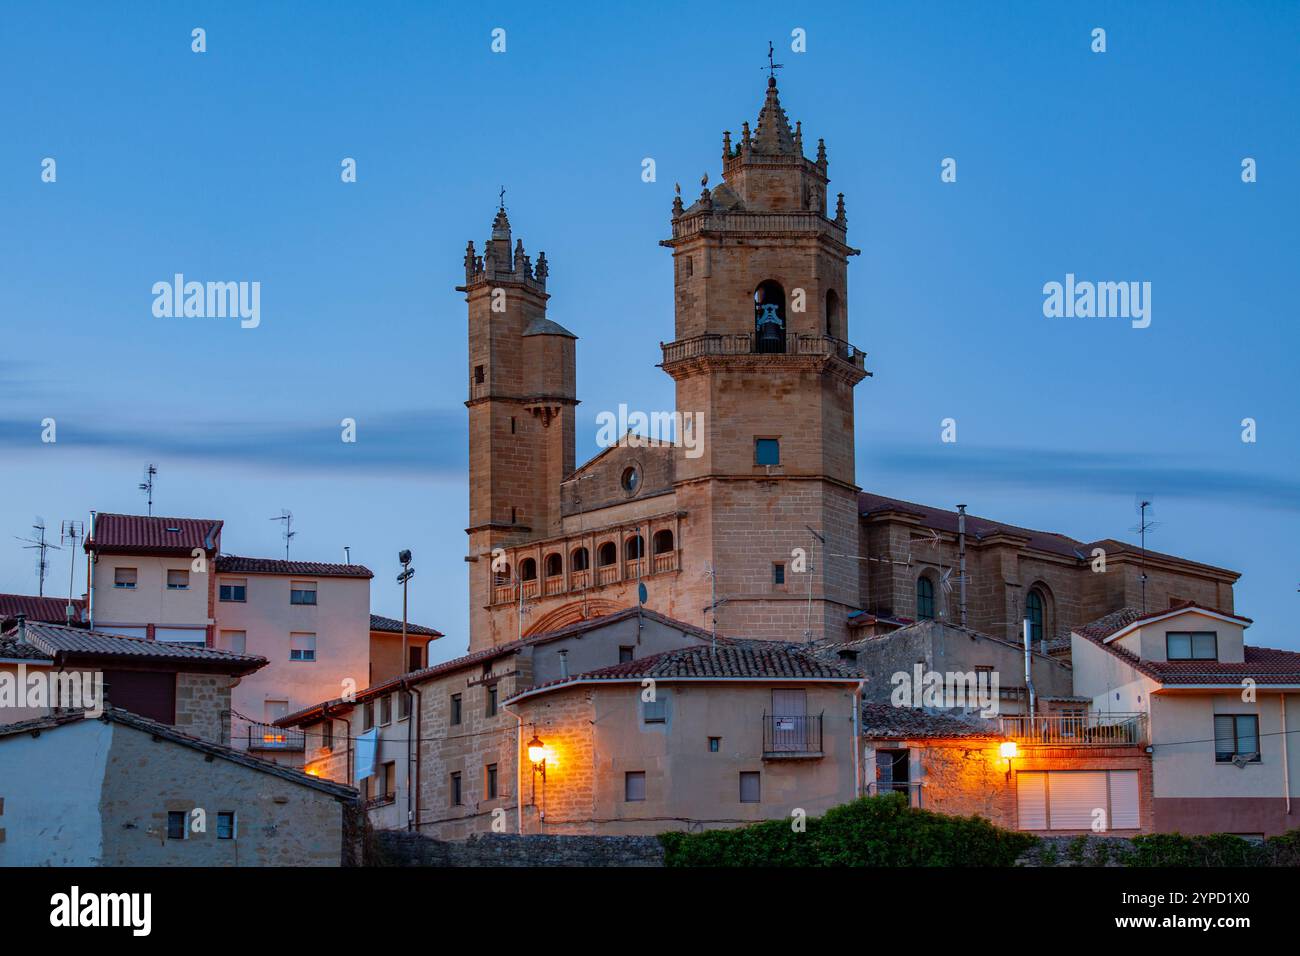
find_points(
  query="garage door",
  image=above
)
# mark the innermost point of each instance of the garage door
(1068, 799)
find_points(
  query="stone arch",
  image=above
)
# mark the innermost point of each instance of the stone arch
(572, 613)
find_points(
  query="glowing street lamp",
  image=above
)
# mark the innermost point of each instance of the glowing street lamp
(1008, 752)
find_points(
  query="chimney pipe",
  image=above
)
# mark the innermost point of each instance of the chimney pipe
(1029, 675)
(564, 665)
(22, 628)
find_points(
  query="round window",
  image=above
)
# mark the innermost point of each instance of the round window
(631, 480)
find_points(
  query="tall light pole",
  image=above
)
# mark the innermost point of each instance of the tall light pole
(408, 572)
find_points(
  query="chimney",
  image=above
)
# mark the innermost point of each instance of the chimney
(564, 665)
(22, 628)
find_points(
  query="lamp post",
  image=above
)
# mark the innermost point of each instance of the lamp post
(408, 572)
(537, 757)
(1008, 751)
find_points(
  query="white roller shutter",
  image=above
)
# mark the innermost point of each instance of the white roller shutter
(1124, 800)
(1031, 799)
(1072, 797)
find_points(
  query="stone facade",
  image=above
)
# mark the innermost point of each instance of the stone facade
(203, 706)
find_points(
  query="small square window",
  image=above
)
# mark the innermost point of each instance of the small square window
(455, 709)
(302, 592)
(767, 451)
(178, 580)
(225, 826)
(176, 828)
(626, 655)
(1192, 646)
(655, 711)
(234, 641)
(234, 591)
(634, 786)
(124, 577)
(778, 573)
(715, 744)
(457, 797)
(302, 647)
(749, 786)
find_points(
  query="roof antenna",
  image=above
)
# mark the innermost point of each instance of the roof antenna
(1142, 504)
(286, 516)
(147, 485)
(69, 533)
(40, 545)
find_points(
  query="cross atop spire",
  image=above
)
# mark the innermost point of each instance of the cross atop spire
(502, 197)
(771, 66)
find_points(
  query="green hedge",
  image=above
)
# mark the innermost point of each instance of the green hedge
(871, 831)
(1216, 849)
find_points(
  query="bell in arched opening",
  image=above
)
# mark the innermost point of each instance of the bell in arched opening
(769, 317)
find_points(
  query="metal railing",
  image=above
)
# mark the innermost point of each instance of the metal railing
(271, 737)
(797, 735)
(1077, 730)
(912, 788)
(745, 343)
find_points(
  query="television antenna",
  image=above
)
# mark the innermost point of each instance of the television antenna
(286, 516)
(1142, 504)
(146, 486)
(70, 532)
(38, 544)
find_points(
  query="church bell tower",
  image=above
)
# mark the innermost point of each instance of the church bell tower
(761, 351)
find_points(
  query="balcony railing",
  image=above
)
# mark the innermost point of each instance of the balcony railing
(913, 789)
(1082, 730)
(607, 574)
(793, 736)
(270, 737)
(667, 561)
(554, 584)
(745, 343)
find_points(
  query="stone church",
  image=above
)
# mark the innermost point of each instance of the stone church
(758, 529)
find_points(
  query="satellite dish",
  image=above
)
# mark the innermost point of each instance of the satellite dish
(641, 592)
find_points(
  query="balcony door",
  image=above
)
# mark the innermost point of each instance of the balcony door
(790, 720)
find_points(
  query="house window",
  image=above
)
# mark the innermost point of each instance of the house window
(750, 790)
(368, 715)
(236, 642)
(626, 655)
(124, 577)
(415, 658)
(634, 786)
(490, 781)
(327, 735)
(715, 744)
(1192, 646)
(1236, 736)
(302, 592)
(176, 828)
(403, 704)
(1034, 605)
(302, 647)
(385, 710)
(455, 709)
(457, 798)
(388, 779)
(767, 451)
(924, 599)
(655, 711)
(225, 825)
(178, 580)
(491, 710)
(778, 573)
(234, 590)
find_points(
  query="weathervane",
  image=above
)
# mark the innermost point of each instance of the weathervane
(501, 197)
(772, 67)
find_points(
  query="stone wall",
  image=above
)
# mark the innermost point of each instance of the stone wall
(402, 848)
(202, 703)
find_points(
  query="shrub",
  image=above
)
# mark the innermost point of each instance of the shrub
(870, 831)
(1217, 849)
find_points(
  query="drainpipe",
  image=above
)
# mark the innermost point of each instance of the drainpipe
(519, 770)
(857, 740)
(1286, 769)
(90, 578)
(413, 782)
(961, 561)
(1029, 676)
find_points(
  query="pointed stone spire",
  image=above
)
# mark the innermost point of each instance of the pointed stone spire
(518, 264)
(501, 225)
(677, 201)
(726, 145)
(470, 260)
(543, 270)
(821, 154)
(798, 137)
(744, 136)
(773, 136)
(840, 218)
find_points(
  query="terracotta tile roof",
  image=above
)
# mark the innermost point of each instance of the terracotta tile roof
(1125, 617)
(941, 520)
(234, 564)
(488, 654)
(77, 644)
(736, 660)
(139, 534)
(1263, 665)
(390, 625)
(125, 718)
(886, 720)
(51, 609)
(13, 649)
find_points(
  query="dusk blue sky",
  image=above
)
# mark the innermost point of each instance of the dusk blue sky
(225, 166)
